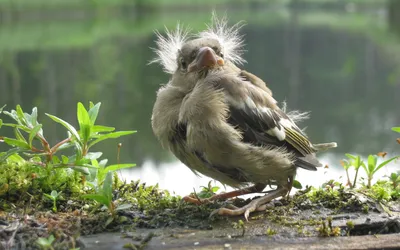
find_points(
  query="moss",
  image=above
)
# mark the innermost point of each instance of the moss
(326, 229)
(270, 232)
(350, 226)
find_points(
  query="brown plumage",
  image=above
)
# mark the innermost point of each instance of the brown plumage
(222, 121)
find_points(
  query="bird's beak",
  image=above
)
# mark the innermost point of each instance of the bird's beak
(206, 58)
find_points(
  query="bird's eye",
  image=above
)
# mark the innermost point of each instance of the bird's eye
(221, 55)
(183, 63)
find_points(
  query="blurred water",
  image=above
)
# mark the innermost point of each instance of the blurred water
(339, 61)
(177, 178)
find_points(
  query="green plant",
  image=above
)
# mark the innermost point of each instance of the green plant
(346, 165)
(395, 179)
(53, 196)
(98, 174)
(33, 164)
(356, 162)
(46, 243)
(270, 231)
(207, 192)
(104, 196)
(328, 230)
(239, 225)
(373, 166)
(81, 140)
(350, 226)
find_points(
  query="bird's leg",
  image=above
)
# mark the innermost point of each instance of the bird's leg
(258, 204)
(255, 205)
(257, 188)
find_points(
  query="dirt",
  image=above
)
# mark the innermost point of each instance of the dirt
(160, 221)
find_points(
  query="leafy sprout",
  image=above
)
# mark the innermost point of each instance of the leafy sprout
(46, 243)
(27, 130)
(53, 196)
(372, 167)
(356, 162)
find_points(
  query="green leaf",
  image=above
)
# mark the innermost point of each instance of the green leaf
(93, 155)
(45, 242)
(214, 189)
(119, 166)
(372, 160)
(16, 159)
(353, 157)
(65, 146)
(33, 133)
(84, 122)
(55, 194)
(93, 112)
(95, 163)
(99, 129)
(107, 188)
(21, 116)
(297, 184)
(123, 207)
(1, 123)
(111, 135)
(16, 143)
(396, 129)
(13, 115)
(68, 126)
(100, 198)
(34, 117)
(49, 196)
(109, 220)
(56, 160)
(80, 169)
(385, 163)
(64, 159)
(5, 155)
(1, 109)
(18, 135)
(103, 163)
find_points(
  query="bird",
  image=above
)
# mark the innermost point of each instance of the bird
(223, 121)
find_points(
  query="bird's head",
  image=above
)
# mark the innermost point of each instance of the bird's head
(190, 56)
(199, 55)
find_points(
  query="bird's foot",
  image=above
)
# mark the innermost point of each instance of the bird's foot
(258, 204)
(196, 200)
(224, 196)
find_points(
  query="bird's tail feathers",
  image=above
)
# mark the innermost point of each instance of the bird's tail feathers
(324, 146)
(308, 162)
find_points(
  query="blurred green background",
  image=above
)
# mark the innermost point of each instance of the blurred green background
(338, 59)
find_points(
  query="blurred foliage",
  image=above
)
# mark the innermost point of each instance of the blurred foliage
(339, 62)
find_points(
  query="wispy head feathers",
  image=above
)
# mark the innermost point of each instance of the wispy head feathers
(229, 37)
(168, 46)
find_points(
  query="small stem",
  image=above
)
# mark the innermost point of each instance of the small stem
(348, 179)
(44, 142)
(55, 147)
(355, 177)
(119, 149)
(85, 150)
(62, 165)
(36, 150)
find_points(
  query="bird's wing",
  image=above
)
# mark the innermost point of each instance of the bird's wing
(265, 124)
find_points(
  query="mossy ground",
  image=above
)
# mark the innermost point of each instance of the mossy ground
(27, 215)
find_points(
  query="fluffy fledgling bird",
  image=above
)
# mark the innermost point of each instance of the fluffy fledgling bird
(222, 121)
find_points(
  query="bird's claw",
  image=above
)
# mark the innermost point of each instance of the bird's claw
(232, 210)
(196, 200)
